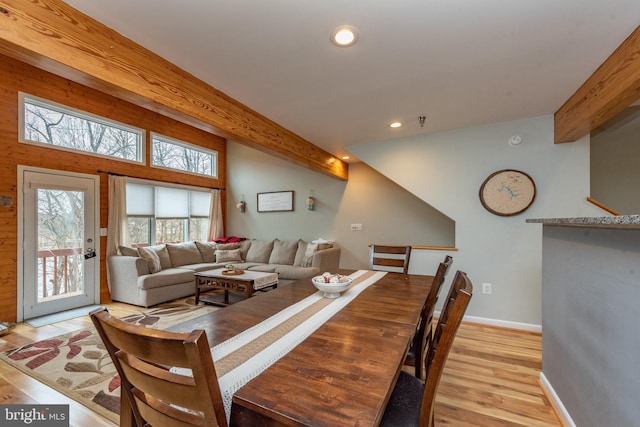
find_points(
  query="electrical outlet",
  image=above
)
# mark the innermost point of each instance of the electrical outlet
(486, 288)
(356, 227)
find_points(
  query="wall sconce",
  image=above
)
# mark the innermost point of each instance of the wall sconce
(242, 205)
(311, 201)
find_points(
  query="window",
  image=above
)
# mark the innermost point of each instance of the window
(172, 154)
(47, 123)
(159, 214)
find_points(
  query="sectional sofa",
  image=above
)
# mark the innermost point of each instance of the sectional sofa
(155, 274)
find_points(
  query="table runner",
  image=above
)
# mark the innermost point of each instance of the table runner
(243, 357)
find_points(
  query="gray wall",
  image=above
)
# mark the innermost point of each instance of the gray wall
(387, 212)
(590, 339)
(615, 175)
(446, 169)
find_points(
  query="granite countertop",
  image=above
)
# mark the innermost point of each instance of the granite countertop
(622, 221)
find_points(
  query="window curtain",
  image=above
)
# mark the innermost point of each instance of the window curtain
(118, 226)
(216, 227)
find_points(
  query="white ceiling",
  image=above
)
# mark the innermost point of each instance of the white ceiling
(459, 62)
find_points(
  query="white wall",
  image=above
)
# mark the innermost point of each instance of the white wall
(387, 212)
(446, 170)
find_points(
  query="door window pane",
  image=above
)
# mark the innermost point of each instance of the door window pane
(60, 243)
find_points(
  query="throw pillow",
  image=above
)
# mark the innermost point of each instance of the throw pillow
(152, 259)
(227, 246)
(184, 254)
(163, 254)
(207, 250)
(259, 251)
(308, 255)
(127, 251)
(283, 252)
(230, 255)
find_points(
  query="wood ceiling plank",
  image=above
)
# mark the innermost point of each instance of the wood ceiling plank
(55, 37)
(611, 88)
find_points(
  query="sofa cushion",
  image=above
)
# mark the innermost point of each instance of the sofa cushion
(152, 259)
(244, 247)
(294, 273)
(231, 255)
(184, 254)
(283, 252)
(207, 251)
(265, 268)
(302, 248)
(204, 266)
(127, 251)
(168, 277)
(259, 251)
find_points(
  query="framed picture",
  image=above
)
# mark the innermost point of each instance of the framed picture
(275, 201)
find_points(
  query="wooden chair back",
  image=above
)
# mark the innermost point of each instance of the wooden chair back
(152, 394)
(393, 258)
(424, 333)
(445, 332)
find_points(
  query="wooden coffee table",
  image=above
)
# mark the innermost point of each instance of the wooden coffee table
(247, 282)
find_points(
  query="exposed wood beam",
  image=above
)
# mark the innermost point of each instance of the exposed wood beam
(53, 36)
(612, 87)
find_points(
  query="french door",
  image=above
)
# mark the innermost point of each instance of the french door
(60, 266)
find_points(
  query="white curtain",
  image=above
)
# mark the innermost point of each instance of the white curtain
(216, 227)
(118, 226)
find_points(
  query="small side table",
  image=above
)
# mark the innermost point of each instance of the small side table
(248, 282)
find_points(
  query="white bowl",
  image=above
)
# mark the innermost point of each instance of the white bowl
(331, 290)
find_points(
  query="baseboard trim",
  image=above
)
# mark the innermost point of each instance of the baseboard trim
(501, 323)
(556, 403)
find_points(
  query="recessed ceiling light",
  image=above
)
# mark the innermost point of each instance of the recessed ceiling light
(344, 36)
(345, 157)
(395, 125)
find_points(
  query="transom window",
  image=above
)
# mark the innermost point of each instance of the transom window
(48, 123)
(178, 155)
(158, 214)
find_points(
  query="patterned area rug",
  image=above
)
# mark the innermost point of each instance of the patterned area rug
(77, 364)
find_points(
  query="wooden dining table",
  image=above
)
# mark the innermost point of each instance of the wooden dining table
(340, 375)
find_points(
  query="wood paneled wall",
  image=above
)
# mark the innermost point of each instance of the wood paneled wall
(15, 77)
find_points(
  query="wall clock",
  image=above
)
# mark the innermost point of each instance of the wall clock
(507, 192)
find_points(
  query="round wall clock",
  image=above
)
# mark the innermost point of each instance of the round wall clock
(507, 192)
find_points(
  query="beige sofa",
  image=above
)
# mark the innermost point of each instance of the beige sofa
(156, 274)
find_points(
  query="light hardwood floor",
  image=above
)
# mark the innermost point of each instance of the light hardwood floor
(491, 377)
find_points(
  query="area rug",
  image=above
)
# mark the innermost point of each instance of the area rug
(37, 322)
(77, 364)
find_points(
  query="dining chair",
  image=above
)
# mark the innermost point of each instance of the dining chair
(391, 258)
(412, 401)
(153, 395)
(424, 332)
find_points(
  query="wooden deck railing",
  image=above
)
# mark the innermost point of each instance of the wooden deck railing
(59, 268)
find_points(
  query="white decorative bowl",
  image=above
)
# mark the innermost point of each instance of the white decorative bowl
(331, 290)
